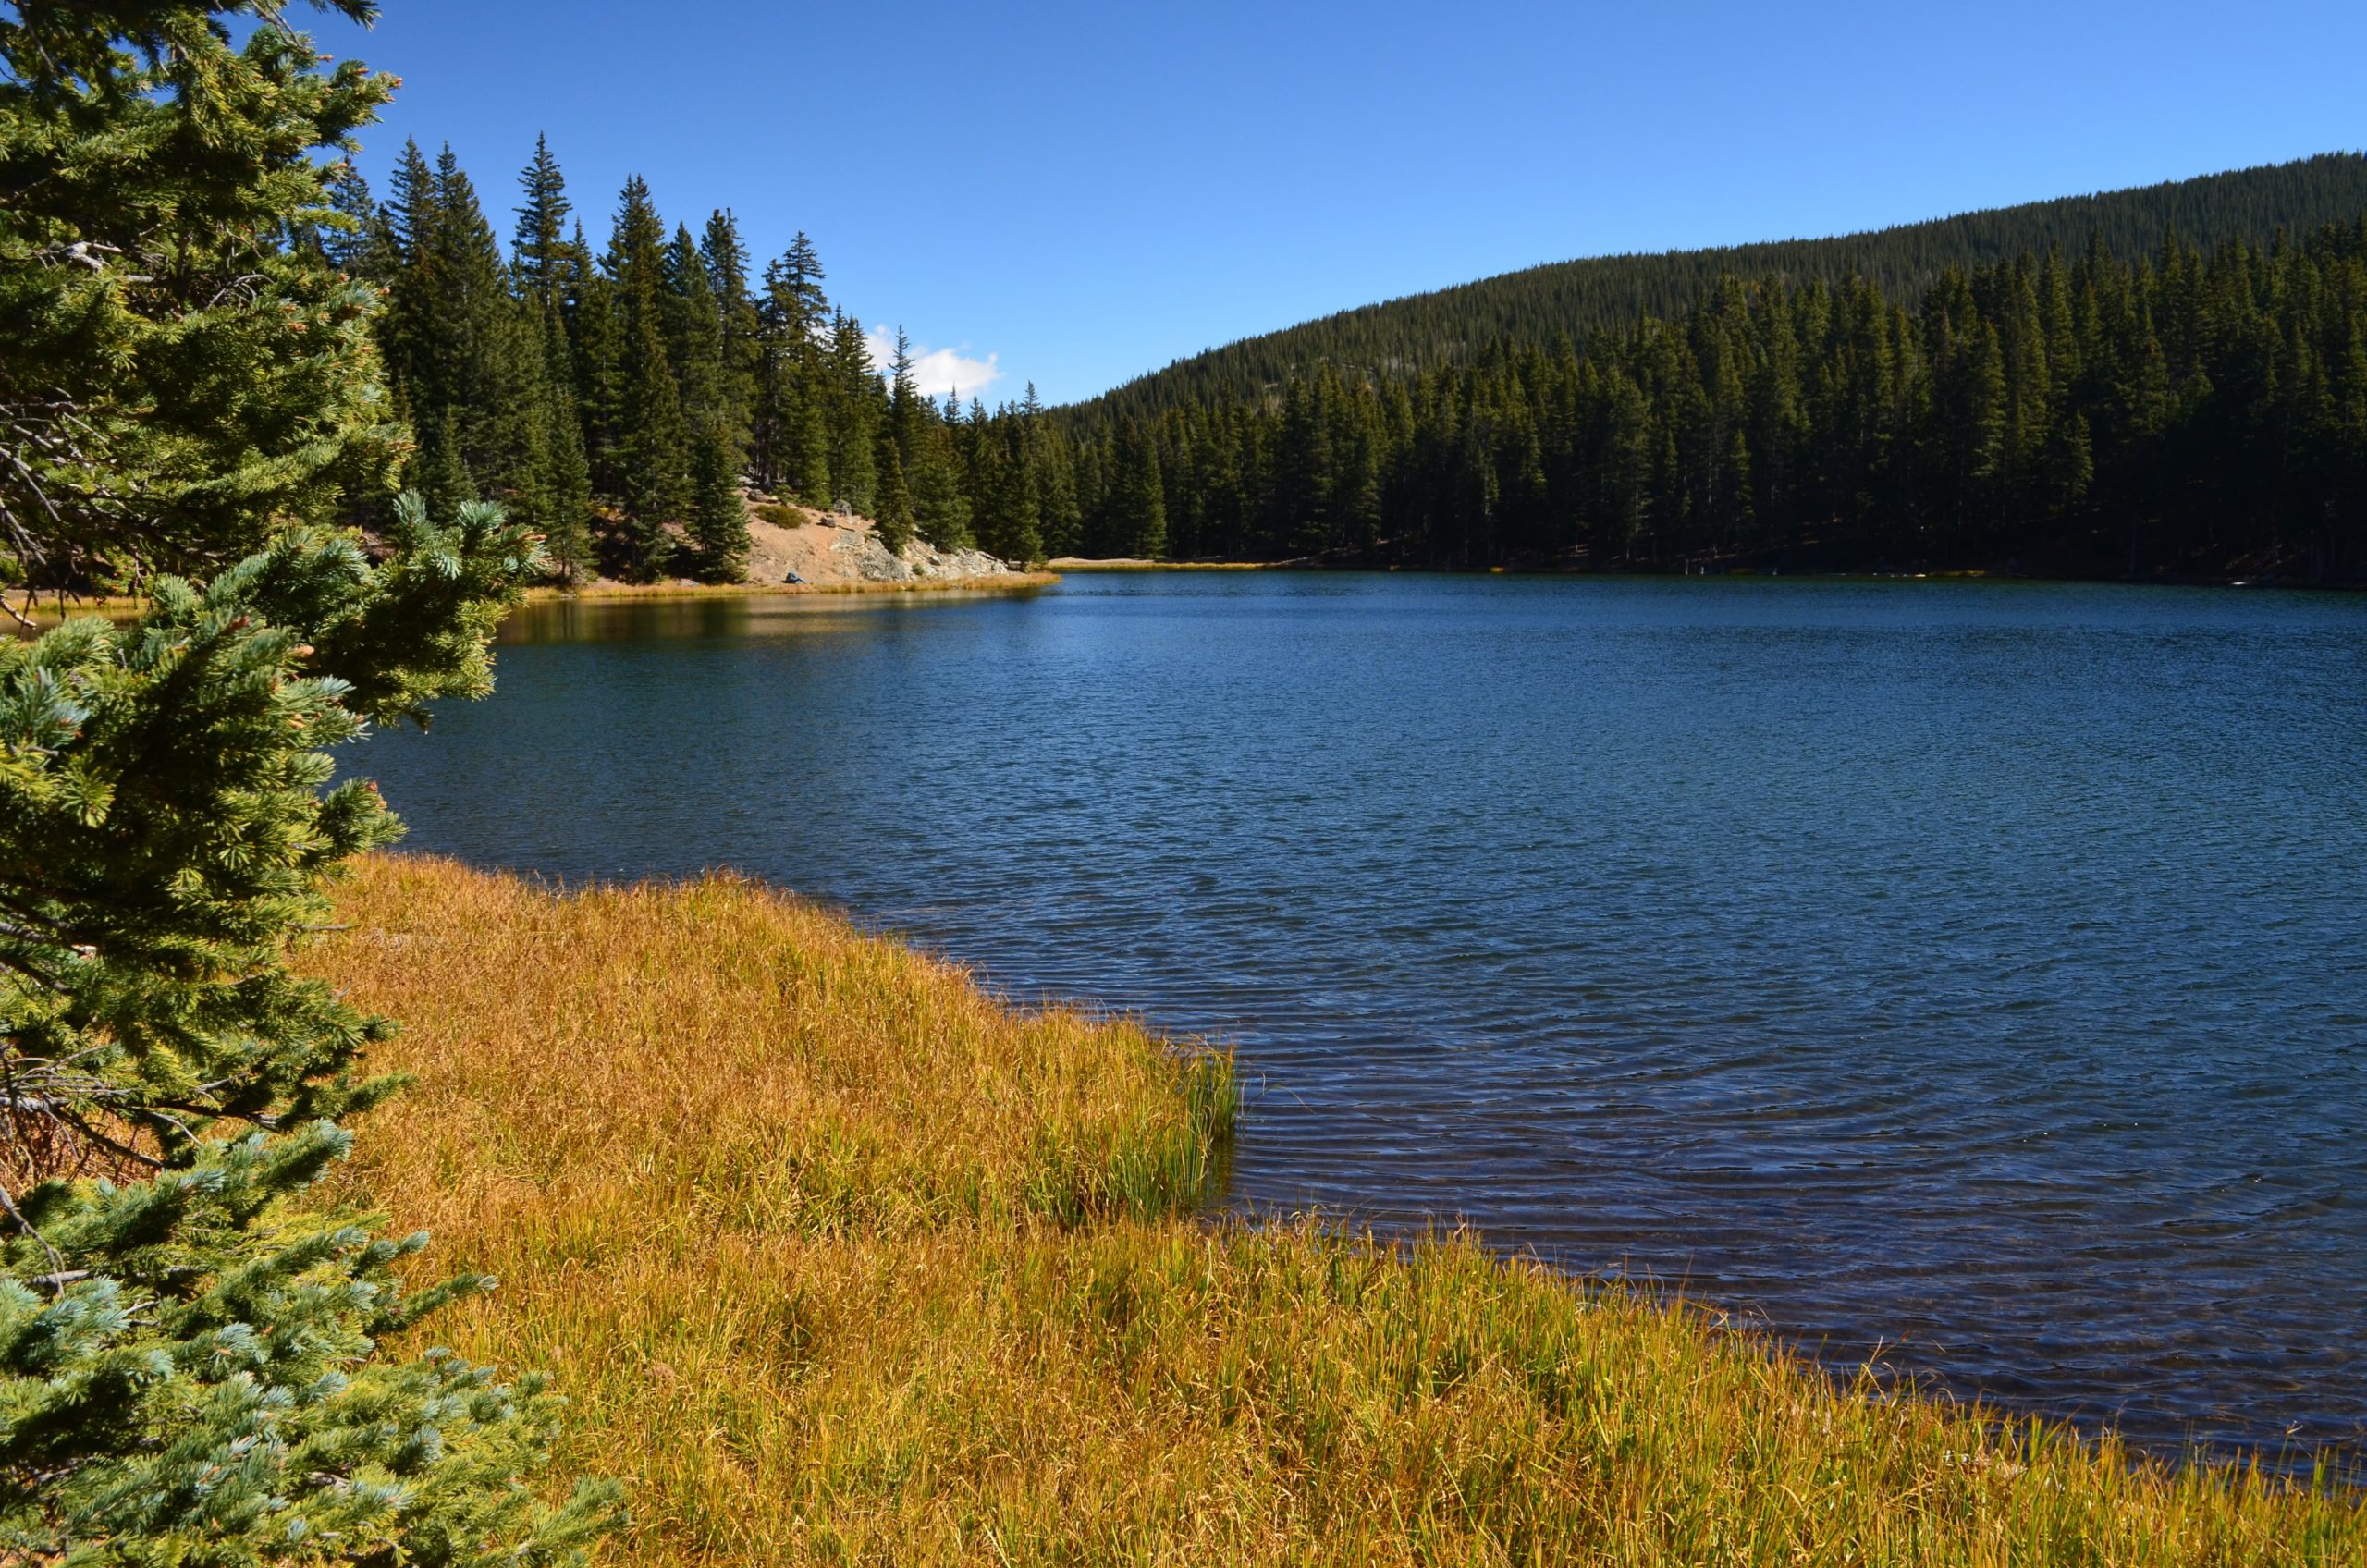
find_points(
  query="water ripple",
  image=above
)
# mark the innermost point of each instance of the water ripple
(1968, 970)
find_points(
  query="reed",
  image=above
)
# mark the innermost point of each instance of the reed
(842, 1260)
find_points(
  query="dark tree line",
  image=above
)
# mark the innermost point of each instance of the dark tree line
(2088, 405)
(2186, 413)
(620, 400)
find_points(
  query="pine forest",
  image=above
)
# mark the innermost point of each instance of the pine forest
(2161, 384)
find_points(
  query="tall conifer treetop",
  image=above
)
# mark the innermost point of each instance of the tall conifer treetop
(177, 379)
(539, 254)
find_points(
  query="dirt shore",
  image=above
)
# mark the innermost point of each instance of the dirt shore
(793, 549)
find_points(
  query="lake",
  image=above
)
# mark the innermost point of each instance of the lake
(1969, 970)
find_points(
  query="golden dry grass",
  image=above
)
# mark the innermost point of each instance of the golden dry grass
(843, 1261)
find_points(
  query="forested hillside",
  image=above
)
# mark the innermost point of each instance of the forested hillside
(2190, 414)
(1538, 304)
(2166, 383)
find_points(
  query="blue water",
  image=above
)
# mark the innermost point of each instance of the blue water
(1969, 970)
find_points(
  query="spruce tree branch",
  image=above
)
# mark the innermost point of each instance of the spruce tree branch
(56, 1258)
(83, 1128)
(38, 977)
(59, 1279)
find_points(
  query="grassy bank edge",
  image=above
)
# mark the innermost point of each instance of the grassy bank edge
(841, 1258)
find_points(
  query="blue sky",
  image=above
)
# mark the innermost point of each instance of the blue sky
(1076, 194)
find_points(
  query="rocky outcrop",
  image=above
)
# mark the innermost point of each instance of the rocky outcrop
(868, 561)
(796, 545)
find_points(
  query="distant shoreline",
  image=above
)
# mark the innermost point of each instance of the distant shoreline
(1136, 563)
(1996, 573)
(1014, 581)
(45, 613)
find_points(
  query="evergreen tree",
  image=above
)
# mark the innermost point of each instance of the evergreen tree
(2023, 412)
(566, 477)
(893, 510)
(791, 422)
(652, 456)
(2012, 407)
(908, 411)
(695, 341)
(797, 286)
(940, 510)
(438, 469)
(742, 347)
(1062, 514)
(469, 353)
(596, 352)
(540, 251)
(175, 374)
(352, 238)
(852, 410)
(190, 1360)
(718, 524)
(1137, 504)
(1531, 308)
(1022, 513)
(986, 477)
(654, 453)
(411, 335)
(171, 796)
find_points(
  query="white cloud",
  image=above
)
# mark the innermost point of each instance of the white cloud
(938, 371)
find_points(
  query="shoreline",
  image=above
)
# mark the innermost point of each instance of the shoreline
(1316, 564)
(45, 614)
(896, 1216)
(128, 606)
(1135, 563)
(1014, 581)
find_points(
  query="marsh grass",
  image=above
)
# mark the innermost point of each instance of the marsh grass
(842, 1260)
